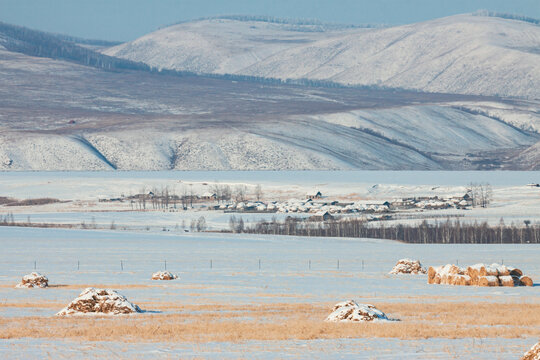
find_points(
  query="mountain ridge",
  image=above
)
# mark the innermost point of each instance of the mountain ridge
(472, 54)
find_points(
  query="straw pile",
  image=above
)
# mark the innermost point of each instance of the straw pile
(478, 275)
(351, 311)
(408, 266)
(164, 275)
(98, 302)
(33, 280)
(533, 354)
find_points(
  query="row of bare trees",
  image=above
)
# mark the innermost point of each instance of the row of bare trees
(448, 232)
(481, 194)
(238, 193)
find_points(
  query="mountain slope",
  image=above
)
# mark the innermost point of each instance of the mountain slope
(463, 54)
(62, 115)
(219, 45)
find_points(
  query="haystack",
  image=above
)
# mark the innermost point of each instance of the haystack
(533, 354)
(479, 275)
(488, 281)
(33, 280)
(525, 281)
(99, 302)
(351, 311)
(506, 281)
(408, 266)
(164, 275)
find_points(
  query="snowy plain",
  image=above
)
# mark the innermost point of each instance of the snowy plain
(241, 269)
(235, 278)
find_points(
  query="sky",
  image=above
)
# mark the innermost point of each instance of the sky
(125, 20)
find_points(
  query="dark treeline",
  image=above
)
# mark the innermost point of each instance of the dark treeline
(448, 232)
(300, 25)
(507, 16)
(42, 44)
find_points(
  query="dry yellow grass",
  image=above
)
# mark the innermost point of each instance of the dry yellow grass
(176, 285)
(233, 323)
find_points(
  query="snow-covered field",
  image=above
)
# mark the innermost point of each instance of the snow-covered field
(235, 278)
(245, 271)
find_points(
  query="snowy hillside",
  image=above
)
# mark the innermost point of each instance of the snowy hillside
(60, 115)
(466, 54)
(219, 45)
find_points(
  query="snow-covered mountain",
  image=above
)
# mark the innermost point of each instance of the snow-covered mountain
(465, 54)
(220, 45)
(71, 113)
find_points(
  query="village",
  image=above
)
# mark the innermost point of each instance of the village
(315, 207)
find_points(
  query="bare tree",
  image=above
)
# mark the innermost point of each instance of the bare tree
(240, 193)
(201, 224)
(258, 192)
(481, 194)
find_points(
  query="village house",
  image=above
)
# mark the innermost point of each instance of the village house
(317, 195)
(321, 216)
(208, 196)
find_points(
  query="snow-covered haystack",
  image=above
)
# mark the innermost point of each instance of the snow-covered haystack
(164, 275)
(351, 311)
(408, 266)
(99, 301)
(33, 280)
(479, 275)
(533, 354)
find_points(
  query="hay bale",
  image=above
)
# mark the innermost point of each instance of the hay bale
(463, 280)
(525, 281)
(448, 274)
(460, 280)
(33, 280)
(476, 270)
(482, 269)
(517, 282)
(408, 266)
(164, 275)
(492, 270)
(432, 272)
(350, 311)
(488, 281)
(533, 353)
(501, 269)
(506, 281)
(99, 302)
(515, 272)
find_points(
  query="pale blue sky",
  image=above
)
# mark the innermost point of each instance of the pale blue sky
(128, 19)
